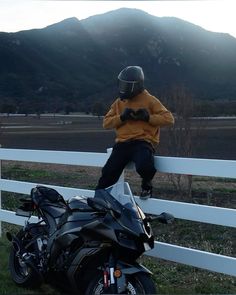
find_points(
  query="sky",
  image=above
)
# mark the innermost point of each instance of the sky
(212, 15)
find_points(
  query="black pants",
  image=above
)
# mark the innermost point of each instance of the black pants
(140, 152)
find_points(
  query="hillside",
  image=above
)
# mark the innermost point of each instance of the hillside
(73, 63)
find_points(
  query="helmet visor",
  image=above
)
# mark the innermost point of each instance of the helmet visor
(126, 86)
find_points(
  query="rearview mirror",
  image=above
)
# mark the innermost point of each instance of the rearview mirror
(164, 217)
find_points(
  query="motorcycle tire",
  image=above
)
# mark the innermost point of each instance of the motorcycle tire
(138, 283)
(22, 274)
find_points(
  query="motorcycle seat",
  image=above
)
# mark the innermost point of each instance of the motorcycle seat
(79, 204)
(55, 212)
(41, 194)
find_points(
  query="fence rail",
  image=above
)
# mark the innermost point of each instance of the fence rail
(181, 210)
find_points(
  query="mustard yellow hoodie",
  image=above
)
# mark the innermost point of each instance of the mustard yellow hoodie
(138, 130)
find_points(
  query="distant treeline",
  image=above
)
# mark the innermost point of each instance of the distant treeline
(209, 108)
(214, 108)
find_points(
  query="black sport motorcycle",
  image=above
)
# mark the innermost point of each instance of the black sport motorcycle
(89, 245)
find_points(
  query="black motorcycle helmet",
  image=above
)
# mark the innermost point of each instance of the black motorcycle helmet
(130, 82)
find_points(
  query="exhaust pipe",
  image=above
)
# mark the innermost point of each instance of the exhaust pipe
(14, 240)
(9, 236)
(16, 245)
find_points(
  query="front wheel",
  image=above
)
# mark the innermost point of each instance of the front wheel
(137, 283)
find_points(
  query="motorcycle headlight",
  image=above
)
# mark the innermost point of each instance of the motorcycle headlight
(126, 240)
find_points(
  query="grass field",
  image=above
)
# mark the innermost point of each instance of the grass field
(85, 133)
(171, 278)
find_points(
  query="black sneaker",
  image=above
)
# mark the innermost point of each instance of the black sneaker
(146, 194)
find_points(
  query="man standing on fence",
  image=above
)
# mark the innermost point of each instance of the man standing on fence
(136, 117)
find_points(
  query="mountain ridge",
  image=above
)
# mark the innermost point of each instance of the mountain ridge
(76, 62)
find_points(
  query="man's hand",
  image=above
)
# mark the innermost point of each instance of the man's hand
(142, 114)
(128, 114)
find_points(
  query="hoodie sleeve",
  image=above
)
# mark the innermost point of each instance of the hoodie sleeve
(112, 118)
(160, 116)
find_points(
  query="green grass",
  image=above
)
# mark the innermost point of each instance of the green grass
(173, 278)
(170, 278)
(77, 177)
(225, 190)
(7, 286)
(216, 179)
(21, 173)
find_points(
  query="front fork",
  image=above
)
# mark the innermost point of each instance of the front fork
(109, 278)
(115, 275)
(113, 279)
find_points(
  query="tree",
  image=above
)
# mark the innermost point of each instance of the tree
(8, 108)
(184, 135)
(98, 109)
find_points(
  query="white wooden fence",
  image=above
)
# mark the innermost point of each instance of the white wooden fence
(187, 211)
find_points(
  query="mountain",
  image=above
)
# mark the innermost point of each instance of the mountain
(75, 63)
